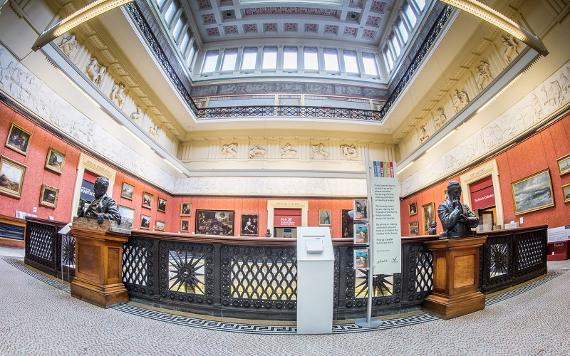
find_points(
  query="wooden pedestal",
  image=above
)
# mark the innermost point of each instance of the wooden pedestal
(98, 272)
(456, 277)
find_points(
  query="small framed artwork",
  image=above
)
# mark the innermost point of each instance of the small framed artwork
(184, 224)
(147, 200)
(54, 161)
(127, 191)
(249, 225)
(414, 228)
(360, 209)
(18, 139)
(127, 215)
(347, 223)
(413, 208)
(185, 209)
(360, 234)
(48, 196)
(324, 217)
(215, 222)
(566, 193)
(533, 193)
(564, 164)
(160, 225)
(429, 215)
(11, 177)
(145, 222)
(360, 258)
(161, 205)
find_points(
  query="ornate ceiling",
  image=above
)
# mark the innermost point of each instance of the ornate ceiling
(359, 21)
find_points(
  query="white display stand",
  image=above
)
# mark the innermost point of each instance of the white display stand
(315, 280)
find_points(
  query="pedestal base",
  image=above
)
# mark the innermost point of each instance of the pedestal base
(456, 277)
(103, 296)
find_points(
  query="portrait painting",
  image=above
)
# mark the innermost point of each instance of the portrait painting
(249, 225)
(360, 209)
(429, 215)
(215, 222)
(533, 193)
(185, 209)
(145, 222)
(161, 205)
(564, 164)
(127, 215)
(414, 228)
(55, 161)
(347, 223)
(18, 139)
(566, 193)
(360, 234)
(147, 200)
(160, 225)
(127, 191)
(324, 217)
(48, 196)
(11, 177)
(184, 225)
(413, 208)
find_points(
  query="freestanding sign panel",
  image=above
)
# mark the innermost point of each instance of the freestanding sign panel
(386, 243)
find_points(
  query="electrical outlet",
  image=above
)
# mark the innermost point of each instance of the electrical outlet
(521, 220)
(35, 209)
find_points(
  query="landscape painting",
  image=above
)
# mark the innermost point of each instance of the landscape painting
(533, 193)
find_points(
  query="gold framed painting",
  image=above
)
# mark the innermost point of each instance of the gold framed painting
(18, 139)
(147, 200)
(161, 206)
(145, 222)
(564, 164)
(414, 228)
(11, 177)
(413, 208)
(184, 224)
(185, 209)
(55, 161)
(533, 192)
(127, 191)
(160, 226)
(324, 217)
(48, 196)
(429, 215)
(566, 193)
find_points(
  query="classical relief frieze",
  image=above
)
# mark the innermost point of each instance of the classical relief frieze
(546, 99)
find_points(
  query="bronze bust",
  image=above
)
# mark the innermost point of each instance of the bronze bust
(456, 218)
(102, 207)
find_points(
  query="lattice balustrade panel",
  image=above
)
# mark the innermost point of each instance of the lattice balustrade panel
(530, 252)
(423, 271)
(259, 277)
(310, 112)
(68, 250)
(137, 265)
(41, 242)
(186, 272)
(498, 259)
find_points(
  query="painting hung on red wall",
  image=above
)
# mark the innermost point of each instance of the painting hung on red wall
(564, 164)
(146, 200)
(215, 222)
(566, 193)
(533, 193)
(48, 196)
(127, 191)
(184, 225)
(18, 139)
(160, 225)
(11, 177)
(55, 161)
(414, 228)
(324, 217)
(347, 223)
(185, 209)
(413, 208)
(161, 205)
(127, 215)
(429, 215)
(249, 225)
(145, 222)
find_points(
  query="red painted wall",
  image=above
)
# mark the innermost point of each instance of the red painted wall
(536, 153)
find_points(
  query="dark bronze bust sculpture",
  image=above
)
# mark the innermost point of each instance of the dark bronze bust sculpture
(102, 207)
(456, 218)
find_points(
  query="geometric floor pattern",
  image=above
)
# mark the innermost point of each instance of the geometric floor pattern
(163, 315)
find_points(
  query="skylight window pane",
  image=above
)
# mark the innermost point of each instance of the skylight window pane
(184, 42)
(350, 62)
(421, 4)
(311, 59)
(230, 58)
(396, 46)
(178, 28)
(403, 31)
(388, 58)
(331, 60)
(210, 62)
(369, 63)
(159, 3)
(249, 59)
(269, 58)
(410, 15)
(169, 14)
(290, 58)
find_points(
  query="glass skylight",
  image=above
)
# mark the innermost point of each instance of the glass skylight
(290, 58)
(249, 59)
(269, 58)
(403, 31)
(421, 4)
(331, 60)
(396, 46)
(230, 58)
(350, 62)
(411, 16)
(369, 64)
(210, 62)
(169, 14)
(311, 59)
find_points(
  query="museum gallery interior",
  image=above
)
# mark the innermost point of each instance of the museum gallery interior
(274, 161)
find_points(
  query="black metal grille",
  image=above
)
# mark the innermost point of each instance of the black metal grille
(68, 251)
(41, 242)
(498, 259)
(531, 252)
(424, 272)
(307, 112)
(138, 257)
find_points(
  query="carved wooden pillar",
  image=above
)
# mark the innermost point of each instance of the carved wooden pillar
(456, 277)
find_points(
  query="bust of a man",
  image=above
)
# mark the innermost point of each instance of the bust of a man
(456, 219)
(102, 207)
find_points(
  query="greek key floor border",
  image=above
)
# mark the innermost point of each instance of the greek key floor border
(242, 327)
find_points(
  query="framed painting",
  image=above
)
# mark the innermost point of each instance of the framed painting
(11, 177)
(566, 193)
(55, 161)
(413, 208)
(184, 225)
(145, 222)
(564, 164)
(533, 193)
(161, 205)
(324, 217)
(127, 215)
(185, 209)
(249, 225)
(414, 228)
(215, 222)
(147, 200)
(361, 234)
(347, 223)
(127, 191)
(48, 196)
(18, 139)
(429, 215)
(160, 225)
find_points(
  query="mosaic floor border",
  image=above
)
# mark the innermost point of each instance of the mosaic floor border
(242, 327)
